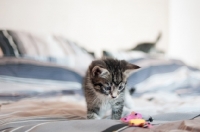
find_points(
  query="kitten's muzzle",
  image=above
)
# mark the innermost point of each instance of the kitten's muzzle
(114, 93)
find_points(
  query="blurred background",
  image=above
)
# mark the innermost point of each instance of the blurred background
(47, 45)
(111, 25)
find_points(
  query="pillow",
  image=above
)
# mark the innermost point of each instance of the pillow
(24, 68)
(20, 78)
(55, 49)
(48, 48)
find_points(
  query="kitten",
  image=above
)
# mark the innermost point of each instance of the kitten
(104, 87)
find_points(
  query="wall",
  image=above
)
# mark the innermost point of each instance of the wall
(95, 24)
(184, 31)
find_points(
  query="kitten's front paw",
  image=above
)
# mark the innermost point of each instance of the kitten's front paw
(93, 116)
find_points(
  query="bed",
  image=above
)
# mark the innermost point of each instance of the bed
(42, 92)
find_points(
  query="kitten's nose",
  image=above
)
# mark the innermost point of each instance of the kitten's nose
(114, 96)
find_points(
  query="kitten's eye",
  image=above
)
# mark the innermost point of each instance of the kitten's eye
(120, 87)
(107, 88)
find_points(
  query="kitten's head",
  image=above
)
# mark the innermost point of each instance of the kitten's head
(109, 76)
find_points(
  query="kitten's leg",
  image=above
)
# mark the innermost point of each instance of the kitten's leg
(117, 111)
(93, 113)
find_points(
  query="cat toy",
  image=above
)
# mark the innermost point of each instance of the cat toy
(135, 120)
(133, 115)
(139, 123)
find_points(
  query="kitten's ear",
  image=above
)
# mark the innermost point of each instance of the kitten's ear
(100, 72)
(130, 68)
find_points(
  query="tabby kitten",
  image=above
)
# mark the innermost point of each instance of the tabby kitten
(104, 87)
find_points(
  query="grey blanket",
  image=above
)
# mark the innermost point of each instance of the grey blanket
(52, 116)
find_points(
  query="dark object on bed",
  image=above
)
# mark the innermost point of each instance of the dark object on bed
(147, 47)
(114, 127)
(132, 90)
(106, 54)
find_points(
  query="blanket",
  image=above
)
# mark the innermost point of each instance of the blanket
(56, 116)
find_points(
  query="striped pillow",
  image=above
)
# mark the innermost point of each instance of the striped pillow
(46, 48)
